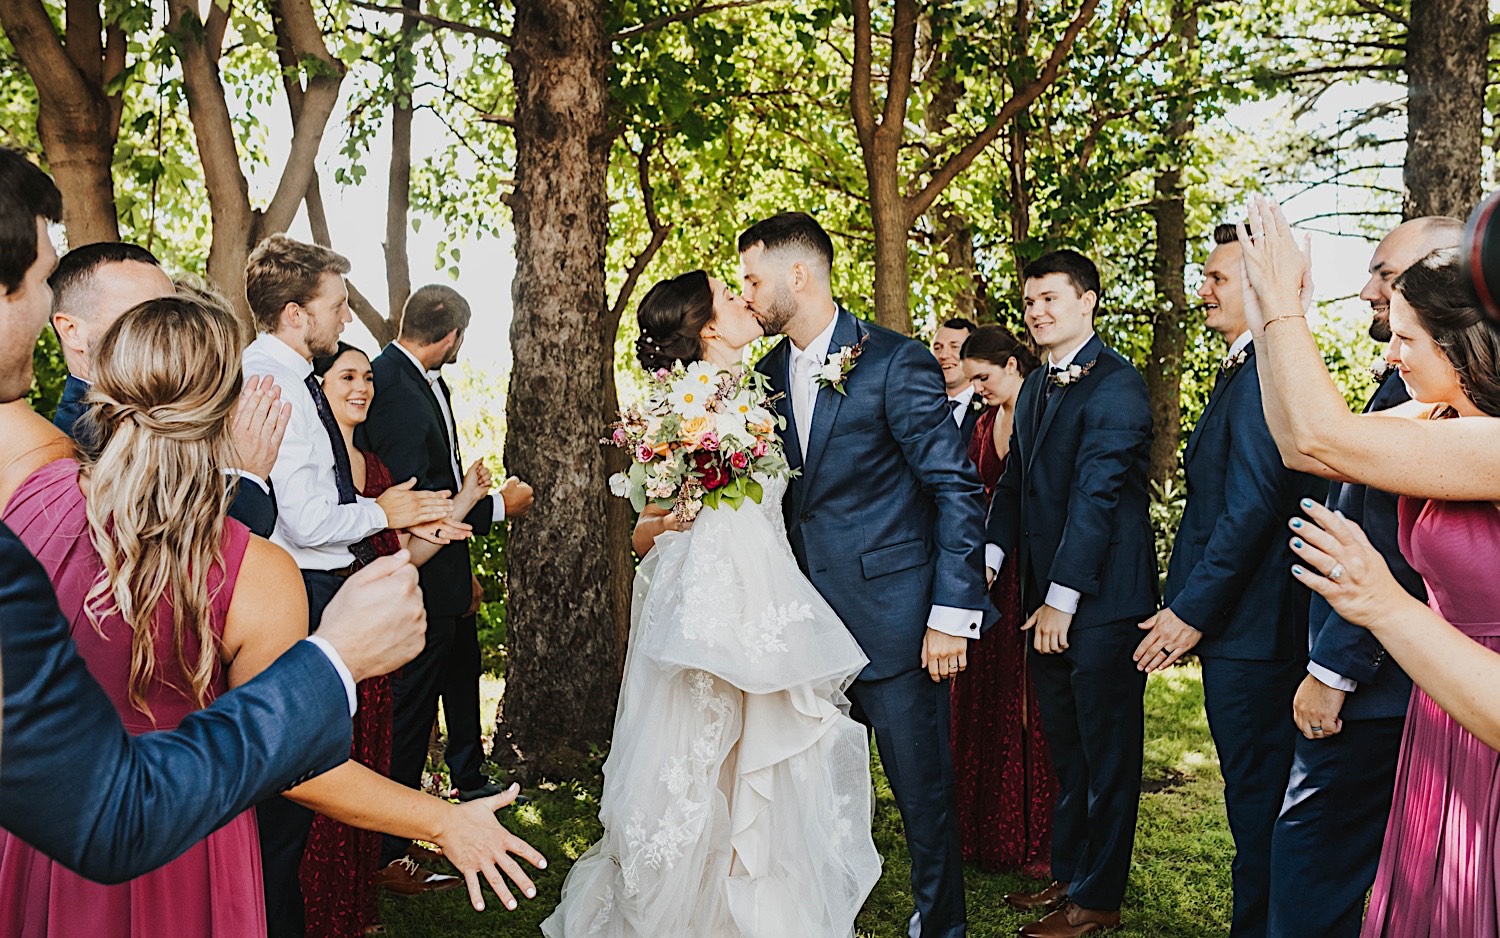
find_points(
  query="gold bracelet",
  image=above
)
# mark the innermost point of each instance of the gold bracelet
(1269, 322)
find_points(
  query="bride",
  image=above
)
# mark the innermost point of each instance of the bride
(737, 796)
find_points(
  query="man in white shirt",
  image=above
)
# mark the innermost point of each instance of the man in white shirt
(301, 304)
(947, 347)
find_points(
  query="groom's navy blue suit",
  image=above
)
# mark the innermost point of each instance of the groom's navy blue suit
(1229, 579)
(886, 521)
(1072, 508)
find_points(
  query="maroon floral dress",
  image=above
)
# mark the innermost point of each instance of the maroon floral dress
(1003, 772)
(338, 868)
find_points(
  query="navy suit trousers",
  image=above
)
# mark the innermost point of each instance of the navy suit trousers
(910, 716)
(1249, 706)
(1089, 697)
(1327, 840)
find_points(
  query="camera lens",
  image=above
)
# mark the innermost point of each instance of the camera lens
(1481, 253)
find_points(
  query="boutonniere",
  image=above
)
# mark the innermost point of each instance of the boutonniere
(977, 403)
(1380, 368)
(1071, 374)
(1231, 362)
(835, 371)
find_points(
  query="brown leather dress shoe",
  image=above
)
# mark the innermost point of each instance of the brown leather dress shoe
(403, 877)
(1070, 921)
(1045, 900)
(424, 854)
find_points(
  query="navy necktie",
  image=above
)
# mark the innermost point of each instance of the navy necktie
(953, 403)
(343, 475)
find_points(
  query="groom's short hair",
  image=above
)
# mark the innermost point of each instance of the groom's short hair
(797, 230)
(1079, 270)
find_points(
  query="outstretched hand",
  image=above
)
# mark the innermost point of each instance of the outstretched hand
(1167, 639)
(259, 423)
(1339, 564)
(477, 843)
(1277, 269)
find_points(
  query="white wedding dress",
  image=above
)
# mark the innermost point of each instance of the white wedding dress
(737, 797)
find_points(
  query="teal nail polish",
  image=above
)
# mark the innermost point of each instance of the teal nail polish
(1306, 503)
(1297, 523)
(1297, 569)
(1297, 543)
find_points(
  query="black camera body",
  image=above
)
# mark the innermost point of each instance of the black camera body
(1481, 253)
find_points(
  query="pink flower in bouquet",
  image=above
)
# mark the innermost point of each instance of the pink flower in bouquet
(662, 374)
(760, 448)
(739, 460)
(620, 436)
(712, 472)
(709, 441)
(644, 453)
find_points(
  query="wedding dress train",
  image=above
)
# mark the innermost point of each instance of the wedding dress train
(737, 797)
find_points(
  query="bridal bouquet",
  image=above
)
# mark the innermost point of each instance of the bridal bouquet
(705, 435)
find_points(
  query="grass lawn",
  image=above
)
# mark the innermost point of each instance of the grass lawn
(1179, 886)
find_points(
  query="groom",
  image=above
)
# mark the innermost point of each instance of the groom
(886, 520)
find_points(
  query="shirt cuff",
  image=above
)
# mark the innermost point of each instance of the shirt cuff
(1332, 678)
(326, 647)
(377, 519)
(497, 509)
(994, 557)
(950, 620)
(1063, 598)
(247, 474)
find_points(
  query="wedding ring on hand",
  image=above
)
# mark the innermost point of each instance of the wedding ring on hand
(1316, 729)
(1336, 572)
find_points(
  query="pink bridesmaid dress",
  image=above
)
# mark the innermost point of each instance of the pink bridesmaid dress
(1438, 865)
(212, 890)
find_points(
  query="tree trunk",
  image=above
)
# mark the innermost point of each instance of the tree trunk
(561, 677)
(892, 276)
(398, 195)
(76, 121)
(1447, 53)
(1168, 331)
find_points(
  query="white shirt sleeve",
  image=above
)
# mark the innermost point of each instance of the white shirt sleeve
(1332, 678)
(326, 647)
(1063, 598)
(497, 509)
(994, 557)
(950, 620)
(309, 514)
(246, 474)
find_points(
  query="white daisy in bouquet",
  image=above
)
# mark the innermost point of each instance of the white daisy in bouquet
(704, 436)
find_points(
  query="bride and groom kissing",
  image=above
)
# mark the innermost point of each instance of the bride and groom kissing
(767, 642)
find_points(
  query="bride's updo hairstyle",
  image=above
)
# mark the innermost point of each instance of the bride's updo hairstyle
(1440, 293)
(672, 318)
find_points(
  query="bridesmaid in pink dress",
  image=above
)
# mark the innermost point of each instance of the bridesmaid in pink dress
(1002, 771)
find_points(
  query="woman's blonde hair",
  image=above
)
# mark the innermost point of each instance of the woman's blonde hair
(167, 378)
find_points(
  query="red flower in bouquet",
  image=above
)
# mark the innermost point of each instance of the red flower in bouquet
(711, 472)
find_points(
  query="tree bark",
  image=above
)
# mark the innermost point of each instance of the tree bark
(77, 121)
(1169, 262)
(1447, 52)
(398, 195)
(561, 677)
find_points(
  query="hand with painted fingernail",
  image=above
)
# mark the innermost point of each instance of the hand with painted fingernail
(1339, 564)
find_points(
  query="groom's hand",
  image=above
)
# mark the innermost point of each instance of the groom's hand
(944, 655)
(1051, 627)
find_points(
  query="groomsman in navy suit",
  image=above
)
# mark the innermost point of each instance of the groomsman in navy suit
(94, 285)
(947, 348)
(1072, 506)
(1351, 706)
(885, 519)
(1229, 598)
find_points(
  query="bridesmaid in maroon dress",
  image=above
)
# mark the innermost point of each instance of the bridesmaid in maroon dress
(340, 897)
(1000, 762)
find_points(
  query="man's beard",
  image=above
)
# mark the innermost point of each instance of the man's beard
(321, 344)
(1380, 327)
(777, 313)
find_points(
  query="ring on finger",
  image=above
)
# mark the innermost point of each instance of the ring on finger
(1336, 572)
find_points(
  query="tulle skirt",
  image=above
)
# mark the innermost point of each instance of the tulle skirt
(737, 797)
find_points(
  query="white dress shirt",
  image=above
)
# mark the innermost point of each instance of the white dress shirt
(1059, 597)
(964, 398)
(311, 525)
(803, 364)
(433, 376)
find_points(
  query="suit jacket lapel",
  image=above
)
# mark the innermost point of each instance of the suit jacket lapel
(415, 374)
(1085, 358)
(1221, 388)
(845, 333)
(777, 361)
